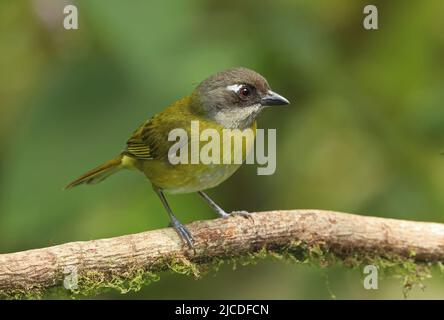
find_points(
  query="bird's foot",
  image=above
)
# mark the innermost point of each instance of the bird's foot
(183, 232)
(241, 213)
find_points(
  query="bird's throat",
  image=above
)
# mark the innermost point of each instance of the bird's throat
(237, 118)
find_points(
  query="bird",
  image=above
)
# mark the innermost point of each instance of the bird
(231, 99)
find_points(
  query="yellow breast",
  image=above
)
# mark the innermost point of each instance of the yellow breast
(185, 178)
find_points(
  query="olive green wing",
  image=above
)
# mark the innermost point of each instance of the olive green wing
(138, 146)
(150, 140)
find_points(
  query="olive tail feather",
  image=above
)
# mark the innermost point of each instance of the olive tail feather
(99, 173)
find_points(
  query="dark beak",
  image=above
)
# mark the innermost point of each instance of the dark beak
(273, 99)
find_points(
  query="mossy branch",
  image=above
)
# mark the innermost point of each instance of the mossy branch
(127, 262)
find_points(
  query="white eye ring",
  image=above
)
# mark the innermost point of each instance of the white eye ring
(234, 87)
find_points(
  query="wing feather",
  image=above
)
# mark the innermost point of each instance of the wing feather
(137, 146)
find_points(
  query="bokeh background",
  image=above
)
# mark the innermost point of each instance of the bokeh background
(363, 134)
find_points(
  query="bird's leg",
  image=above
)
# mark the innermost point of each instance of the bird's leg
(221, 212)
(175, 223)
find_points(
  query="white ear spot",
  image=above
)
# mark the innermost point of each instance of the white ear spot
(234, 87)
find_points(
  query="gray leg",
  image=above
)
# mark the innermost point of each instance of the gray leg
(221, 212)
(175, 223)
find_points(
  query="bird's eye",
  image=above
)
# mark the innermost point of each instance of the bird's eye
(244, 91)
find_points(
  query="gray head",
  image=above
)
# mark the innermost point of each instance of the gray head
(234, 97)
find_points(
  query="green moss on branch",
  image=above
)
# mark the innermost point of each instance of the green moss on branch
(92, 283)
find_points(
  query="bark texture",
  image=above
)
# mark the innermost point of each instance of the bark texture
(341, 233)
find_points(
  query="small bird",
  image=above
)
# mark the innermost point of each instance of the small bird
(230, 99)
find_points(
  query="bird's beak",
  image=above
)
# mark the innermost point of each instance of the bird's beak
(273, 99)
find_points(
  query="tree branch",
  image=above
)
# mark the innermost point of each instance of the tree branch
(152, 251)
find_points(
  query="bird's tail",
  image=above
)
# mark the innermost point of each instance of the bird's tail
(99, 173)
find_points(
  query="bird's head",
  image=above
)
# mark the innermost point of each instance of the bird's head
(235, 97)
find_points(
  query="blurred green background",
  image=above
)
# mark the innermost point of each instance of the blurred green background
(363, 134)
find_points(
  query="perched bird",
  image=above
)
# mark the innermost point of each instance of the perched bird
(231, 99)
